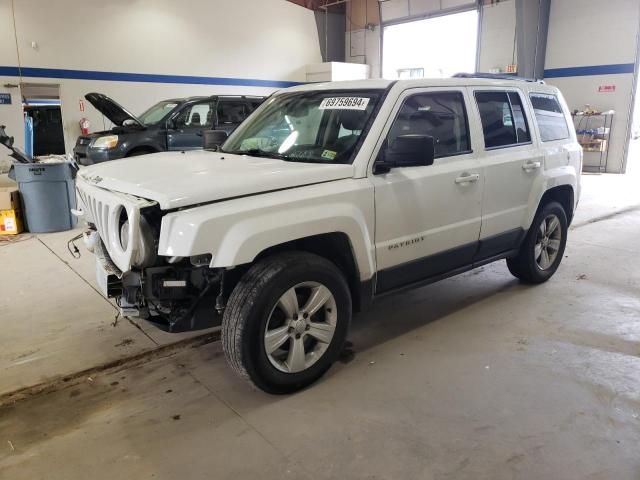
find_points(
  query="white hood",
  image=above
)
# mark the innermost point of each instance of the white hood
(176, 179)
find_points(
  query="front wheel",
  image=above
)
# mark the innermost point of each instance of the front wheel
(286, 321)
(542, 249)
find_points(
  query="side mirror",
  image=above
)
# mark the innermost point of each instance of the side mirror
(212, 139)
(411, 150)
(171, 124)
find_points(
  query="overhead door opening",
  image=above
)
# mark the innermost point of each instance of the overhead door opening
(433, 48)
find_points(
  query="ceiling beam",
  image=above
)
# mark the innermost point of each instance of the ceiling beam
(320, 4)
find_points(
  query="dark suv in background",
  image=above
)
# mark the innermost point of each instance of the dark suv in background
(175, 124)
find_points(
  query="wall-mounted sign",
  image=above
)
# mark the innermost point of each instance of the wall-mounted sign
(5, 99)
(606, 88)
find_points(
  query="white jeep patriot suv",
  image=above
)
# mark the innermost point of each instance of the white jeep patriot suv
(328, 196)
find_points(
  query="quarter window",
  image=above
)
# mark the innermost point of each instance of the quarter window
(550, 117)
(441, 115)
(504, 122)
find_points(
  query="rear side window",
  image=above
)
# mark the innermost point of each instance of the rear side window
(232, 112)
(441, 115)
(253, 104)
(550, 117)
(504, 122)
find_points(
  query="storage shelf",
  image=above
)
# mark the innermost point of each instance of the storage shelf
(594, 132)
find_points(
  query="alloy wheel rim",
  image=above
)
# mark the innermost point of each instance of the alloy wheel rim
(548, 240)
(300, 327)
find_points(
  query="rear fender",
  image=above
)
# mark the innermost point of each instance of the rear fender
(556, 177)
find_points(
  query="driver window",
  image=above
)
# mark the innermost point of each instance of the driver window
(441, 115)
(198, 115)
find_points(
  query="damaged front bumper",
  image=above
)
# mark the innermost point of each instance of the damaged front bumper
(174, 298)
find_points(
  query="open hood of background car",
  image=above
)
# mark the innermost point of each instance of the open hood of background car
(111, 109)
(178, 179)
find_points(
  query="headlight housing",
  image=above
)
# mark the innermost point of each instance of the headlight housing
(145, 253)
(105, 143)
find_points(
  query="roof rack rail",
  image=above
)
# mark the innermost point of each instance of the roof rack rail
(497, 76)
(231, 95)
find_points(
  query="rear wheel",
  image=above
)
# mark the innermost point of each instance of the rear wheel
(286, 321)
(543, 247)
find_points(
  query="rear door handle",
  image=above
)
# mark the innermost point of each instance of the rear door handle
(467, 178)
(529, 166)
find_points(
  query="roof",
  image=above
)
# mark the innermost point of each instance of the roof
(204, 97)
(417, 83)
(343, 85)
(183, 99)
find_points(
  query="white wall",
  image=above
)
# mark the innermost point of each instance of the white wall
(592, 33)
(497, 36)
(240, 39)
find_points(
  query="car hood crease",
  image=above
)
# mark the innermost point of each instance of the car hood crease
(178, 179)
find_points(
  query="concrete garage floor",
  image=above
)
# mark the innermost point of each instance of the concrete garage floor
(474, 377)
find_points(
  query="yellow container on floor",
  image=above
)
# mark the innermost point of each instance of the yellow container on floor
(10, 222)
(10, 217)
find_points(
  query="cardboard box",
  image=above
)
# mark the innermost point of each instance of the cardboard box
(9, 198)
(10, 222)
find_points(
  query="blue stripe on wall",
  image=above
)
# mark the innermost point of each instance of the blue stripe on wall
(590, 70)
(141, 77)
(253, 82)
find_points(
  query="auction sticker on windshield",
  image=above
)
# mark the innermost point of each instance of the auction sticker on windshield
(344, 103)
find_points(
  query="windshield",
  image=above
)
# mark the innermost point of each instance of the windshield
(157, 112)
(319, 126)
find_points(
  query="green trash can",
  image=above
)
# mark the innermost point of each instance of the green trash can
(48, 195)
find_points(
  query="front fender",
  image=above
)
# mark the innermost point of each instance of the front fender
(235, 231)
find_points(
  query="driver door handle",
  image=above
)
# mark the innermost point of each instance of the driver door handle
(531, 165)
(467, 178)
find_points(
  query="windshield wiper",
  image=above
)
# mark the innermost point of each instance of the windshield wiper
(257, 152)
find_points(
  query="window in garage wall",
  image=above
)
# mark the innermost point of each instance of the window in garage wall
(435, 47)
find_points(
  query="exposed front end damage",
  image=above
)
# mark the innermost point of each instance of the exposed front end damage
(170, 296)
(123, 234)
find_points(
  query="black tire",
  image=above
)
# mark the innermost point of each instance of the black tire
(249, 310)
(525, 265)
